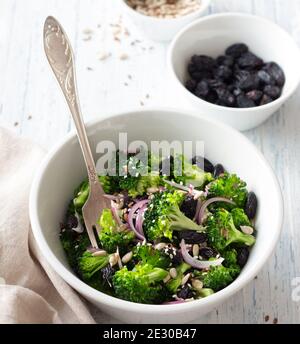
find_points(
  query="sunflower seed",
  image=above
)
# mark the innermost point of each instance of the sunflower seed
(173, 272)
(195, 250)
(185, 279)
(160, 246)
(197, 284)
(99, 253)
(127, 257)
(167, 279)
(247, 229)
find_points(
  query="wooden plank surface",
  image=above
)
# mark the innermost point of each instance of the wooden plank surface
(31, 104)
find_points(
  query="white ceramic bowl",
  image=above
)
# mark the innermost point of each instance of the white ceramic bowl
(63, 170)
(211, 36)
(159, 29)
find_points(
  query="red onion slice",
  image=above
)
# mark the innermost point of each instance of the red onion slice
(199, 204)
(137, 206)
(207, 203)
(198, 264)
(140, 220)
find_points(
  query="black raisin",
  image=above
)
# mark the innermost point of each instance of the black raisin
(174, 255)
(236, 50)
(225, 97)
(246, 80)
(272, 91)
(107, 274)
(244, 102)
(265, 100)
(185, 293)
(223, 72)
(211, 97)
(188, 206)
(202, 89)
(255, 95)
(276, 72)
(198, 75)
(203, 62)
(192, 237)
(225, 60)
(214, 83)
(251, 205)
(72, 222)
(207, 252)
(203, 163)
(237, 91)
(218, 170)
(250, 61)
(191, 85)
(242, 256)
(265, 77)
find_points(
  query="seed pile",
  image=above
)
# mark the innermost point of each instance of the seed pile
(165, 8)
(237, 79)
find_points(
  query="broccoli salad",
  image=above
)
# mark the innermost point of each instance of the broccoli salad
(165, 239)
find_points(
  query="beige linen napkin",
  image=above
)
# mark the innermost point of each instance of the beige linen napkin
(30, 291)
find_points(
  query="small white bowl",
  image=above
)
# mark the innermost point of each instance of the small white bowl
(63, 170)
(211, 36)
(160, 29)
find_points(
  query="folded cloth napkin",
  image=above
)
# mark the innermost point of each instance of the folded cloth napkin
(30, 291)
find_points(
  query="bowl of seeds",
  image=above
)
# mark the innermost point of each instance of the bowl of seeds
(160, 20)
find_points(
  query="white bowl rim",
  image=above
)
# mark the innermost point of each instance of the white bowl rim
(203, 7)
(170, 53)
(108, 300)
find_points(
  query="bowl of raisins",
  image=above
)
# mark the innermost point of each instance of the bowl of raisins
(235, 68)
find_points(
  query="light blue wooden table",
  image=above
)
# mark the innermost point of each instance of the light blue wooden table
(31, 104)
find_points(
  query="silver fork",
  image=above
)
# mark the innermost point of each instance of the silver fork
(60, 56)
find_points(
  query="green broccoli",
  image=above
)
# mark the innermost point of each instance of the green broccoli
(82, 192)
(240, 218)
(175, 283)
(218, 277)
(89, 265)
(204, 292)
(186, 173)
(163, 216)
(111, 235)
(229, 186)
(147, 254)
(222, 232)
(141, 285)
(135, 176)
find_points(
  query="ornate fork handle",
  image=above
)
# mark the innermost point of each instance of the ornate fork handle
(60, 56)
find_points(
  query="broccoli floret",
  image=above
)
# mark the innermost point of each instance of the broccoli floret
(240, 218)
(204, 292)
(229, 186)
(163, 216)
(82, 192)
(147, 254)
(141, 285)
(111, 235)
(222, 232)
(89, 265)
(175, 283)
(187, 173)
(217, 277)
